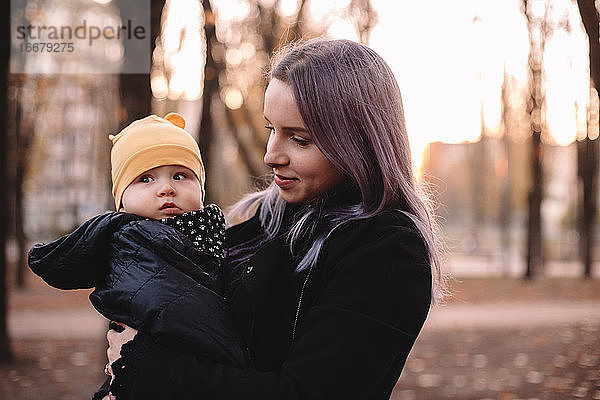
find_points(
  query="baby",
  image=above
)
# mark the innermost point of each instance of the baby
(154, 265)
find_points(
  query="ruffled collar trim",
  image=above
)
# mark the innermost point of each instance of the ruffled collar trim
(205, 227)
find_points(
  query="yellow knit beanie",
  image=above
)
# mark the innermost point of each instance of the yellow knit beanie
(149, 143)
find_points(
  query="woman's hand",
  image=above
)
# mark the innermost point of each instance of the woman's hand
(116, 340)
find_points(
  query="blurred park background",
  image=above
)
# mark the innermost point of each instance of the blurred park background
(501, 104)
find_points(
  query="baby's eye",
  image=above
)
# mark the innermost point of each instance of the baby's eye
(270, 129)
(179, 176)
(146, 179)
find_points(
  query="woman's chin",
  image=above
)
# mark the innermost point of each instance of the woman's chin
(290, 196)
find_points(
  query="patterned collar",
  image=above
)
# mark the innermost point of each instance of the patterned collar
(205, 227)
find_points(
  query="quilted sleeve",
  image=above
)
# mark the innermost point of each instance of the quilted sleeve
(78, 260)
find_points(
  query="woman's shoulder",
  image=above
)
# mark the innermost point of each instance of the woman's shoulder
(381, 257)
(386, 222)
(390, 234)
(243, 230)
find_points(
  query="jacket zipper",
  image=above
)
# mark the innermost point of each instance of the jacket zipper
(250, 336)
(300, 303)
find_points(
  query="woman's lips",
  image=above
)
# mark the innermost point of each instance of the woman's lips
(284, 182)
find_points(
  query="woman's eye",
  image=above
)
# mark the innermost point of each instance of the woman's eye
(300, 140)
(179, 176)
(270, 129)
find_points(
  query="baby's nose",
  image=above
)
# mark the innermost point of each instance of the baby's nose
(166, 190)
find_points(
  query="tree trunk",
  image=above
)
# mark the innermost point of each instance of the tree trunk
(23, 134)
(505, 208)
(534, 225)
(589, 16)
(587, 168)
(479, 172)
(22, 147)
(364, 19)
(211, 87)
(588, 149)
(5, 353)
(505, 203)
(297, 28)
(135, 91)
(537, 36)
(245, 146)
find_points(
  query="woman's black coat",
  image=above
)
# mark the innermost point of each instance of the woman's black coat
(341, 330)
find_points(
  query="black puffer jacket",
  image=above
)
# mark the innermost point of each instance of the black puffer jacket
(149, 276)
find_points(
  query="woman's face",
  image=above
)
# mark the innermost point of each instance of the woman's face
(302, 172)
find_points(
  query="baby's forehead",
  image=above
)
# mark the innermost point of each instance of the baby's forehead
(164, 170)
(168, 168)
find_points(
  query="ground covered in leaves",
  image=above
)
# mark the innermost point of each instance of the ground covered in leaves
(543, 363)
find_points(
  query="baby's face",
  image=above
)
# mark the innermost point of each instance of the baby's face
(163, 192)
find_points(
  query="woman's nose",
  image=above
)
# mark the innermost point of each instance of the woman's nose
(275, 155)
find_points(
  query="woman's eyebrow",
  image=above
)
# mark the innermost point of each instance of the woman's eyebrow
(294, 128)
(289, 128)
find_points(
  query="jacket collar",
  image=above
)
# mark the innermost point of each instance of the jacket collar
(205, 227)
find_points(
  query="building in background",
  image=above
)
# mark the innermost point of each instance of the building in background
(68, 116)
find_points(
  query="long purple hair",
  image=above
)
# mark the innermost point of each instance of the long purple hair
(350, 103)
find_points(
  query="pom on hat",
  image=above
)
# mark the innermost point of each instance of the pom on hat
(149, 143)
(176, 120)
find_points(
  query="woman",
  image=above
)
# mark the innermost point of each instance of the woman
(330, 281)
